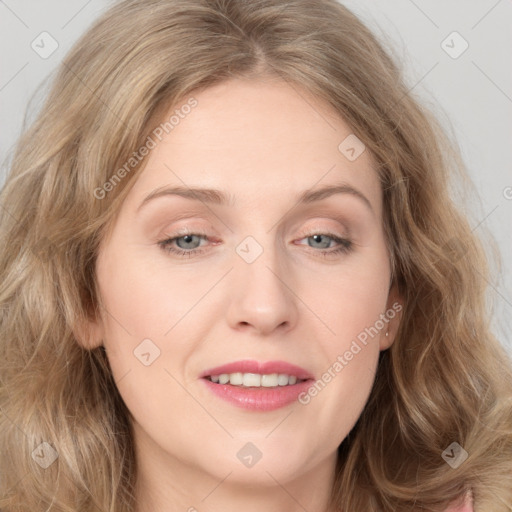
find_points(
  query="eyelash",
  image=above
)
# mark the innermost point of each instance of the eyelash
(345, 247)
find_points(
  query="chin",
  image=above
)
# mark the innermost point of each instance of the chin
(256, 464)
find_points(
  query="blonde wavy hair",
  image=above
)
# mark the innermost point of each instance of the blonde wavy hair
(445, 379)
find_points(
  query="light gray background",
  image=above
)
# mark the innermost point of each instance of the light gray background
(471, 94)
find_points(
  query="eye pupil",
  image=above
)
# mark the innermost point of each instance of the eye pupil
(187, 239)
(318, 239)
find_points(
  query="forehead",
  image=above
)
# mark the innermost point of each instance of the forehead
(260, 141)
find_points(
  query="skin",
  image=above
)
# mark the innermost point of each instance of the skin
(264, 142)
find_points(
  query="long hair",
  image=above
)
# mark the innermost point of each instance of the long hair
(66, 442)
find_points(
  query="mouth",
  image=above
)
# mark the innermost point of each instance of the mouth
(257, 386)
(255, 380)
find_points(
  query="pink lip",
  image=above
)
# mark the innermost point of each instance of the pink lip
(249, 366)
(258, 399)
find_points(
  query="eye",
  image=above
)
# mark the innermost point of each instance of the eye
(324, 239)
(187, 244)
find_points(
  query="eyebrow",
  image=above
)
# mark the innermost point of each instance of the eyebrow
(218, 197)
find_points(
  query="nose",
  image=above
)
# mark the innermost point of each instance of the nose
(261, 294)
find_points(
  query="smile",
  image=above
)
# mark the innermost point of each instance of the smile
(257, 386)
(257, 380)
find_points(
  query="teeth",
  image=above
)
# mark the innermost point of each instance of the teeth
(255, 380)
(282, 380)
(270, 381)
(237, 379)
(250, 380)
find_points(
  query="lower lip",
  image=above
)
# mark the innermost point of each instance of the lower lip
(258, 399)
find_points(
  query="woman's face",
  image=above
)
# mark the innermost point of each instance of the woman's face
(261, 277)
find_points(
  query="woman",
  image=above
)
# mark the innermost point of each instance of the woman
(255, 368)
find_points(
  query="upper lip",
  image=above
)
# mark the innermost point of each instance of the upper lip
(263, 368)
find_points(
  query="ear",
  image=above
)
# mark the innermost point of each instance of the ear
(394, 309)
(89, 332)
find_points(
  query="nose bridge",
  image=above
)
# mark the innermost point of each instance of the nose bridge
(259, 263)
(260, 294)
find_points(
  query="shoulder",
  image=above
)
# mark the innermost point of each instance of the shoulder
(467, 506)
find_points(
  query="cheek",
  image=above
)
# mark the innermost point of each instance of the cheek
(339, 395)
(352, 306)
(148, 314)
(143, 298)
(349, 299)
(142, 305)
